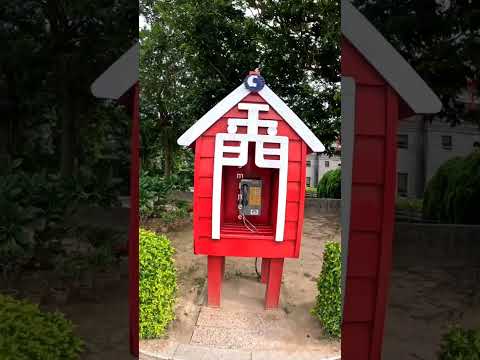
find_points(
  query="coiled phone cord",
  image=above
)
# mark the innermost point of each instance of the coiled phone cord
(248, 224)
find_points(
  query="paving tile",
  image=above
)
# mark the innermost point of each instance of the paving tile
(158, 348)
(225, 338)
(296, 355)
(229, 319)
(192, 352)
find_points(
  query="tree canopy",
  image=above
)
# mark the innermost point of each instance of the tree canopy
(193, 53)
(53, 51)
(439, 38)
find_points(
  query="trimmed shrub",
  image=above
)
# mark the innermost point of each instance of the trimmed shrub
(458, 344)
(28, 333)
(453, 193)
(158, 284)
(328, 307)
(330, 186)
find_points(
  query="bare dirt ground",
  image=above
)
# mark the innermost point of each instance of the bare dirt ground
(424, 302)
(297, 298)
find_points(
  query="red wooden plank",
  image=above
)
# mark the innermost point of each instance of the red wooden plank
(284, 129)
(291, 230)
(291, 211)
(370, 112)
(294, 191)
(245, 248)
(363, 252)
(368, 163)
(134, 223)
(196, 177)
(253, 98)
(360, 302)
(207, 146)
(272, 292)
(215, 276)
(354, 65)
(366, 207)
(301, 205)
(205, 167)
(356, 341)
(388, 221)
(205, 185)
(294, 171)
(265, 270)
(295, 150)
(204, 206)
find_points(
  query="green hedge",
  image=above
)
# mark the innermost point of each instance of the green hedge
(30, 334)
(328, 307)
(330, 185)
(158, 284)
(460, 344)
(453, 193)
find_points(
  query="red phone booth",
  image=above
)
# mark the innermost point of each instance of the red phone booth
(249, 183)
(120, 83)
(378, 89)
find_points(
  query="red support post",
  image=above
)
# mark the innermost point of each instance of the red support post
(265, 270)
(216, 268)
(272, 293)
(133, 262)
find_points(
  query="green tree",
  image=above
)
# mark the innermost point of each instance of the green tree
(194, 53)
(56, 49)
(440, 39)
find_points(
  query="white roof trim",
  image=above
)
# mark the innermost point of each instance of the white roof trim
(235, 97)
(387, 61)
(292, 119)
(213, 115)
(119, 77)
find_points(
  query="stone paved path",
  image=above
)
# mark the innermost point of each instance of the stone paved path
(242, 329)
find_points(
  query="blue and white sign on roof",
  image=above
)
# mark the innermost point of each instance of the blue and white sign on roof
(254, 82)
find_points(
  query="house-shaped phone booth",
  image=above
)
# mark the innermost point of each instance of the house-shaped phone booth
(249, 183)
(120, 83)
(378, 89)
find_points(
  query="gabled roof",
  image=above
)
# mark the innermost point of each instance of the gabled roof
(215, 113)
(119, 77)
(387, 61)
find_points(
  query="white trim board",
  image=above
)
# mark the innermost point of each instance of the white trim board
(387, 61)
(119, 77)
(214, 114)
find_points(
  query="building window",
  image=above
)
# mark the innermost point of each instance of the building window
(402, 141)
(308, 180)
(327, 163)
(402, 184)
(309, 163)
(447, 142)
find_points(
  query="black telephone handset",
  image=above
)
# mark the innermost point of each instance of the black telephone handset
(244, 195)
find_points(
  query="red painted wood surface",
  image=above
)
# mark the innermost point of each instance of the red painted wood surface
(372, 208)
(133, 263)
(235, 239)
(274, 282)
(265, 270)
(216, 269)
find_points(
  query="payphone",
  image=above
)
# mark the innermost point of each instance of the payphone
(249, 201)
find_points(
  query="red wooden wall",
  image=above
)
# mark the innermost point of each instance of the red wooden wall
(259, 245)
(372, 208)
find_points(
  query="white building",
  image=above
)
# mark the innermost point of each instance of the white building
(423, 146)
(318, 164)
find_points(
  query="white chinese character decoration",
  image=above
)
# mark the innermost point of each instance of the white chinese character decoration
(252, 123)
